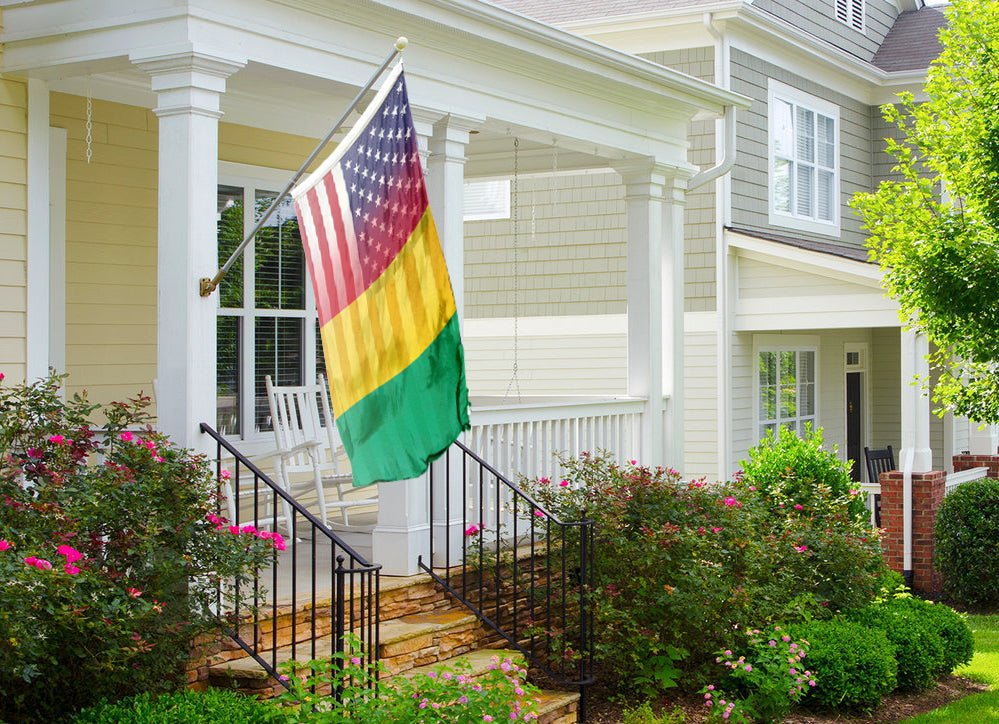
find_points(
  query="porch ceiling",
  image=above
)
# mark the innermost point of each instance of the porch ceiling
(304, 60)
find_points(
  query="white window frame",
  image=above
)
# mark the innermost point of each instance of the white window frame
(791, 219)
(497, 211)
(783, 343)
(852, 13)
(252, 179)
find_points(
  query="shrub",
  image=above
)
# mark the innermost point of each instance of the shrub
(682, 563)
(788, 470)
(953, 630)
(214, 706)
(967, 543)
(447, 694)
(764, 682)
(919, 648)
(855, 665)
(110, 553)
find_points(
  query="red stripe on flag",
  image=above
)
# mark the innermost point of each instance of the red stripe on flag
(310, 236)
(325, 241)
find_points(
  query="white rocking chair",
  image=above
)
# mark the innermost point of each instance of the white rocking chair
(308, 444)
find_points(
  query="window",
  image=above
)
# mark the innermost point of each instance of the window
(266, 318)
(851, 12)
(804, 161)
(485, 200)
(786, 389)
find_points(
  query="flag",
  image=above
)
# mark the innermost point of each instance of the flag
(389, 325)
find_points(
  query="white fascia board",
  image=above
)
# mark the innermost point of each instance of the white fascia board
(826, 319)
(805, 260)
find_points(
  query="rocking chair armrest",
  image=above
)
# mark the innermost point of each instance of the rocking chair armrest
(307, 446)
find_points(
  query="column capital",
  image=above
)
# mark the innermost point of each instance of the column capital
(186, 80)
(649, 178)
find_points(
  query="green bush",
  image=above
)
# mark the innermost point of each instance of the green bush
(854, 665)
(110, 553)
(919, 647)
(967, 543)
(789, 470)
(953, 630)
(680, 566)
(214, 706)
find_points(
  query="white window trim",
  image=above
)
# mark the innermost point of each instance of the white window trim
(784, 343)
(260, 178)
(502, 211)
(776, 89)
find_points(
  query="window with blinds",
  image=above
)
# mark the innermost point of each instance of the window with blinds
(851, 12)
(266, 319)
(804, 160)
(485, 200)
(786, 389)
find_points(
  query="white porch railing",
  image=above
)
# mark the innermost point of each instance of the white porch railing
(956, 479)
(522, 439)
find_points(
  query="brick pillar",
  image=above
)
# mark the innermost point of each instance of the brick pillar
(966, 462)
(927, 493)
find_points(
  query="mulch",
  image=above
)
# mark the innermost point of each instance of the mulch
(895, 707)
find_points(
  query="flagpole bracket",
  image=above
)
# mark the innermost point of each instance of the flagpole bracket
(401, 42)
(206, 286)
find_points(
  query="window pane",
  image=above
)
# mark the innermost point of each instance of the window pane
(805, 132)
(826, 195)
(278, 348)
(783, 125)
(783, 172)
(827, 142)
(230, 234)
(806, 400)
(768, 368)
(806, 366)
(279, 258)
(227, 376)
(805, 190)
(788, 401)
(768, 403)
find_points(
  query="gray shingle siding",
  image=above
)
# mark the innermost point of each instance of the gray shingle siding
(750, 188)
(818, 18)
(700, 211)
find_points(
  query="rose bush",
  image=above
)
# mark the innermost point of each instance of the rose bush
(112, 553)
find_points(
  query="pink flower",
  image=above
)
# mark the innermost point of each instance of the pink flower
(730, 501)
(133, 592)
(34, 452)
(126, 436)
(799, 506)
(801, 549)
(225, 474)
(4, 545)
(264, 534)
(278, 541)
(56, 439)
(486, 717)
(70, 553)
(543, 481)
(632, 462)
(30, 560)
(749, 667)
(355, 660)
(2, 375)
(157, 458)
(715, 529)
(39, 563)
(71, 569)
(752, 488)
(563, 484)
(248, 529)
(472, 529)
(539, 513)
(234, 529)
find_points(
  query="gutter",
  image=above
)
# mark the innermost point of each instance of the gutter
(728, 158)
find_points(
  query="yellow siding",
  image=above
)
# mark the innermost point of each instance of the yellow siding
(111, 216)
(13, 222)
(110, 247)
(700, 414)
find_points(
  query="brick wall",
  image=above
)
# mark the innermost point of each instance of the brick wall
(927, 493)
(966, 462)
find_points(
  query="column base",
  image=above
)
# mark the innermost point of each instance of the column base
(398, 550)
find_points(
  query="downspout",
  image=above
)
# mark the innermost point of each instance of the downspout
(725, 138)
(907, 465)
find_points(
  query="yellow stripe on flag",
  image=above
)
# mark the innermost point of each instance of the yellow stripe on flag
(416, 283)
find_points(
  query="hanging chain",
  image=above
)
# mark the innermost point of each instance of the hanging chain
(90, 123)
(514, 380)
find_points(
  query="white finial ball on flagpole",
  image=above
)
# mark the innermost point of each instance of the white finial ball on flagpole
(401, 42)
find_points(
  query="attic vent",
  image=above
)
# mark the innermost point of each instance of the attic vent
(851, 12)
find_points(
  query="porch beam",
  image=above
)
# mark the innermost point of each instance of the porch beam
(188, 87)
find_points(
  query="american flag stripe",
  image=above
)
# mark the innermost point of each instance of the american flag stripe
(409, 282)
(331, 238)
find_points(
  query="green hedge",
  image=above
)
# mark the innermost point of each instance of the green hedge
(214, 706)
(967, 543)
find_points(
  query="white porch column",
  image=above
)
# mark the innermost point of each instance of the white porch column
(915, 454)
(983, 440)
(188, 86)
(38, 354)
(654, 194)
(446, 188)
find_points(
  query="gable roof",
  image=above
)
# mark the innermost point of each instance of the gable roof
(845, 251)
(912, 42)
(560, 11)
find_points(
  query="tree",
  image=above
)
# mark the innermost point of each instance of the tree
(935, 228)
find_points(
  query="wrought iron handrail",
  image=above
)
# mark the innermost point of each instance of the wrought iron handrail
(514, 564)
(352, 587)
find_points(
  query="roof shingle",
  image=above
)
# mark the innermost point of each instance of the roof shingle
(912, 42)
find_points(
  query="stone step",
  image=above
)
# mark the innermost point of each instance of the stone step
(405, 643)
(558, 707)
(480, 661)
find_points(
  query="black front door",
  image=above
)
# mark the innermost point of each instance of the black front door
(853, 424)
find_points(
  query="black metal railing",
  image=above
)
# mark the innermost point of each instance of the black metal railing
(520, 569)
(314, 592)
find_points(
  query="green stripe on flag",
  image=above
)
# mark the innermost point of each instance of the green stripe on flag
(423, 408)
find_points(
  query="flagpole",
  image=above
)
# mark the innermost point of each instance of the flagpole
(206, 285)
